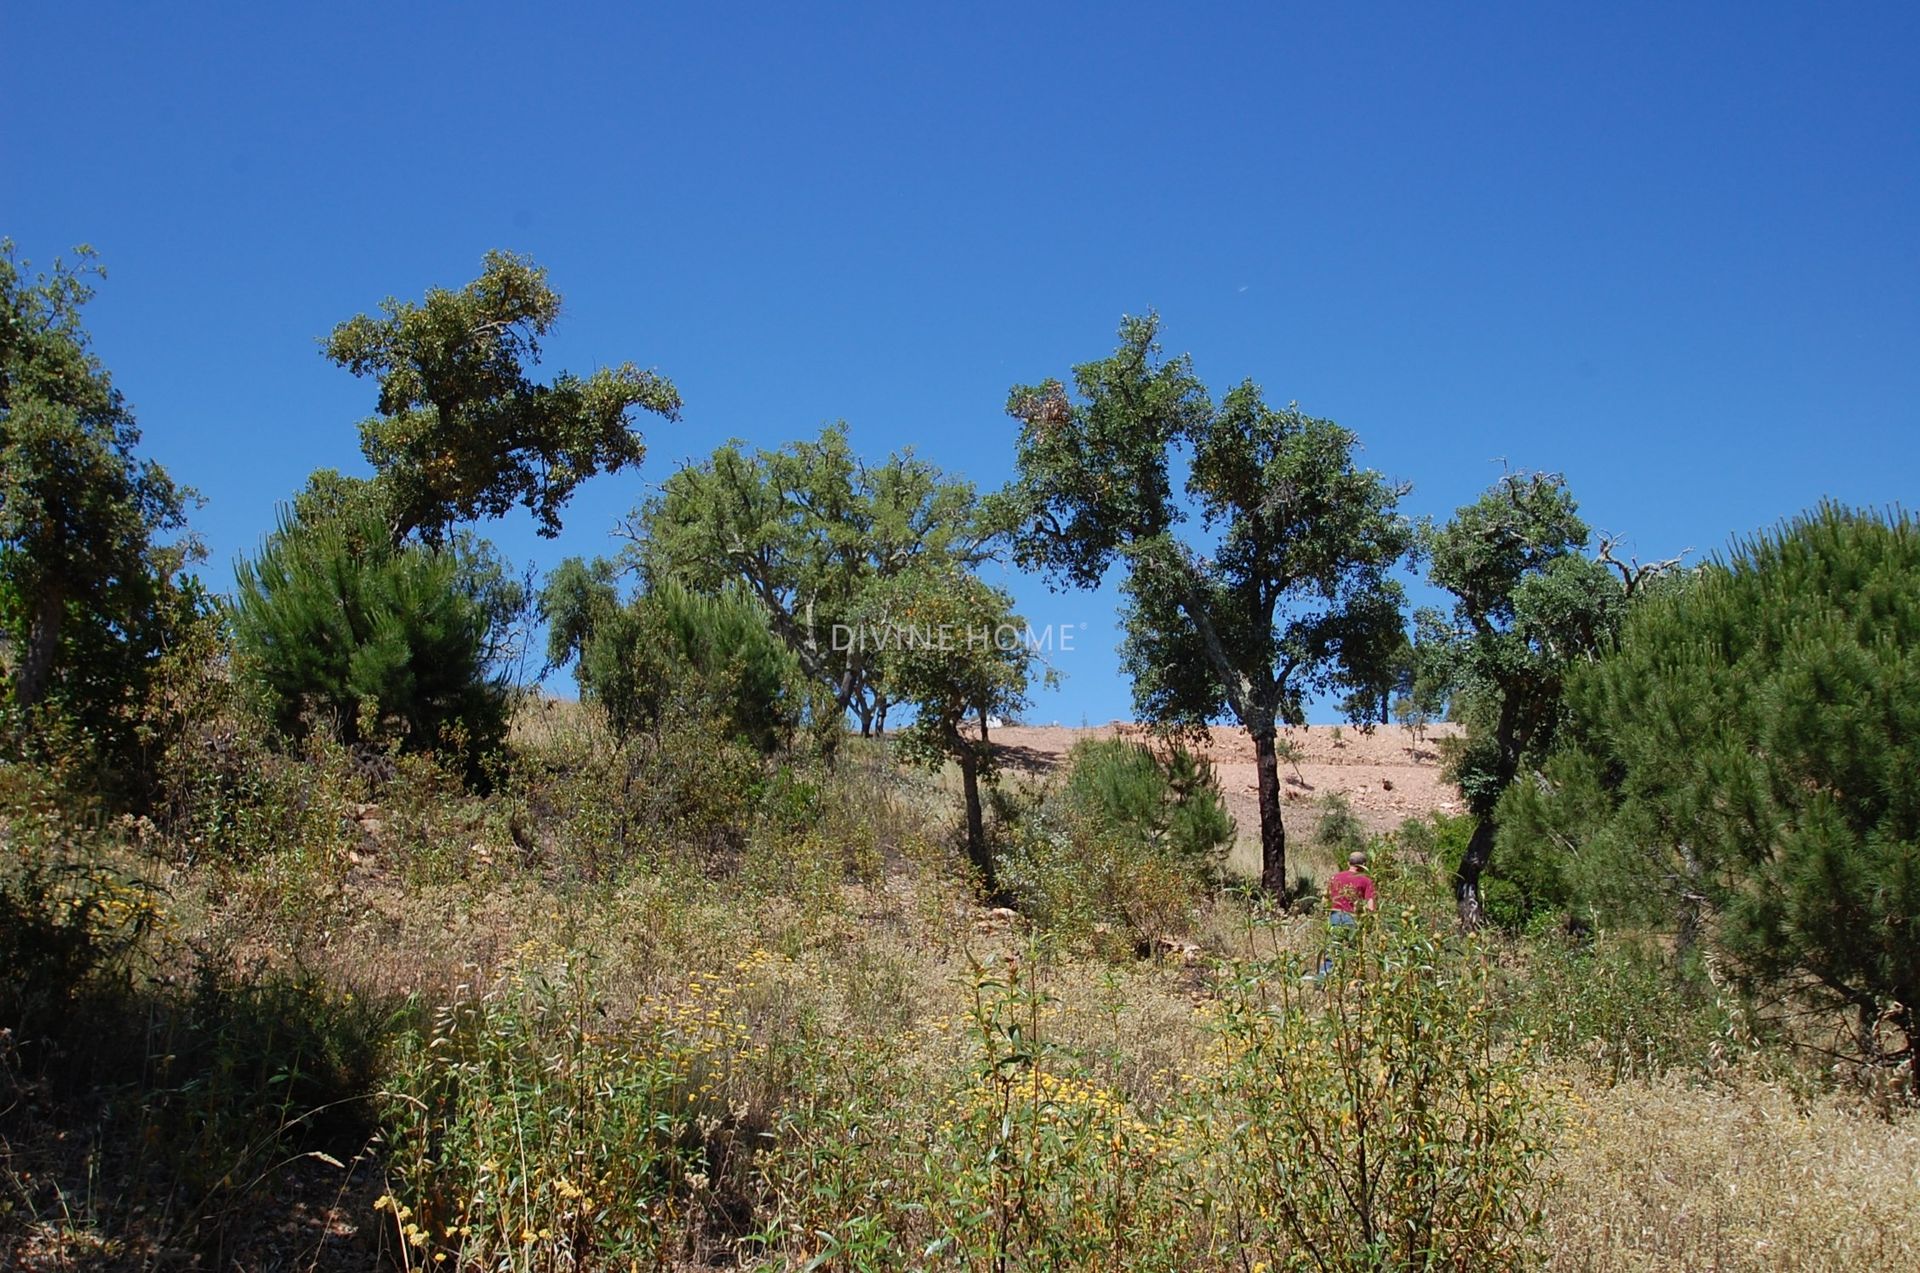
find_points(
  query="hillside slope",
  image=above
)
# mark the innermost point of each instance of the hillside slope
(1384, 774)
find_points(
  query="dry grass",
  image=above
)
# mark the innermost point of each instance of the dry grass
(1672, 1176)
(1660, 1174)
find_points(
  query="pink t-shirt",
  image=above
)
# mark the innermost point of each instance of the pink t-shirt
(1347, 889)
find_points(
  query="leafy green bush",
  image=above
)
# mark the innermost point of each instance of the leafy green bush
(670, 651)
(1381, 1118)
(1169, 797)
(1338, 830)
(1131, 838)
(1523, 887)
(337, 626)
(1622, 1011)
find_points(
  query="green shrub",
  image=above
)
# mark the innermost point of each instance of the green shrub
(1131, 839)
(1168, 799)
(672, 651)
(226, 796)
(1738, 771)
(1436, 840)
(1379, 1118)
(1523, 886)
(1338, 830)
(1036, 1165)
(336, 626)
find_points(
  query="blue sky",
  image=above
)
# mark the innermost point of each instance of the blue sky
(1670, 250)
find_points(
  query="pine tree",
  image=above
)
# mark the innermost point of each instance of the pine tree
(1741, 767)
(339, 626)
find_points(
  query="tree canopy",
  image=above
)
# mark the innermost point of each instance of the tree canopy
(1739, 767)
(712, 654)
(956, 652)
(809, 530)
(1283, 589)
(1529, 607)
(88, 590)
(462, 431)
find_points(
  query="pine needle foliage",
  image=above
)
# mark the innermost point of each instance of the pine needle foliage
(337, 625)
(1742, 766)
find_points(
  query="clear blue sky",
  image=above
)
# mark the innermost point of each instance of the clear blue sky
(1670, 250)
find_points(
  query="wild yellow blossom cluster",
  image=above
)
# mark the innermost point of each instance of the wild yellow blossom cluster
(1063, 1104)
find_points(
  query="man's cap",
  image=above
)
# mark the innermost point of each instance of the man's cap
(1356, 858)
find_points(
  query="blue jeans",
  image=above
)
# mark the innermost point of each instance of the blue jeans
(1340, 926)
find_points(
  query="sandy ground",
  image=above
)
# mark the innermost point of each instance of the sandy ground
(1384, 775)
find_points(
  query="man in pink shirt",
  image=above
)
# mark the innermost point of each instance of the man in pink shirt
(1347, 892)
(1349, 889)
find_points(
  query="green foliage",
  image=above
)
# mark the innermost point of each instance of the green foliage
(1338, 829)
(462, 431)
(1285, 592)
(1130, 842)
(336, 625)
(1529, 609)
(1615, 1009)
(1439, 837)
(89, 597)
(1168, 797)
(956, 652)
(1527, 888)
(706, 654)
(1382, 1119)
(809, 530)
(1744, 756)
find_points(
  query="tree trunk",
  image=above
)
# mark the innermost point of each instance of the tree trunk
(1473, 863)
(1905, 1021)
(1466, 879)
(1273, 832)
(977, 851)
(43, 643)
(1693, 903)
(880, 715)
(983, 724)
(865, 712)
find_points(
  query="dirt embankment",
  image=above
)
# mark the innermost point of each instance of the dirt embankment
(1385, 774)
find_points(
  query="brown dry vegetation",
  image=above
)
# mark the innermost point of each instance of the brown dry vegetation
(829, 967)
